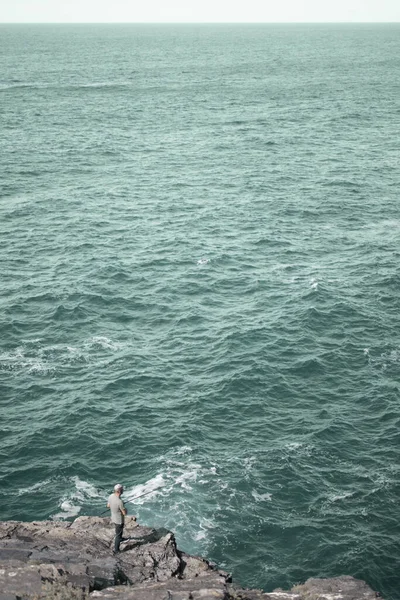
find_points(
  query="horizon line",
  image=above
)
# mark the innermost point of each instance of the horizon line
(199, 22)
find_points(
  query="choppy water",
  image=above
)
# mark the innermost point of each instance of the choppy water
(200, 288)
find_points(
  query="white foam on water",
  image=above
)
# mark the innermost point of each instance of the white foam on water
(34, 487)
(177, 475)
(205, 525)
(190, 475)
(261, 497)
(31, 342)
(183, 474)
(76, 353)
(386, 360)
(68, 510)
(84, 489)
(39, 367)
(283, 266)
(294, 445)
(203, 261)
(382, 481)
(298, 448)
(148, 490)
(71, 505)
(340, 496)
(36, 358)
(103, 84)
(183, 498)
(249, 463)
(105, 343)
(184, 450)
(19, 360)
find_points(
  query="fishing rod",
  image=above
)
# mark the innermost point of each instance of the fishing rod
(130, 501)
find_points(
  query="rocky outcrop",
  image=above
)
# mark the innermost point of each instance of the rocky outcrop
(55, 560)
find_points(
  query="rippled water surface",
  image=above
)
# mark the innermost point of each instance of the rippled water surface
(200, 288)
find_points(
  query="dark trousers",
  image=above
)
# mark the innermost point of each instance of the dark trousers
(118, 536)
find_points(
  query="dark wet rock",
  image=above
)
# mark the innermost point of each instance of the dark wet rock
(193, 566)
(62, 561)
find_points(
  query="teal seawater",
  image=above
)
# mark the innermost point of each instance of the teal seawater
(200, 288)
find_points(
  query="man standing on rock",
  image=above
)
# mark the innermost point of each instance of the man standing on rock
(118, 512)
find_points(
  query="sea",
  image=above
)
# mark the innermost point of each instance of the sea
(200, 288)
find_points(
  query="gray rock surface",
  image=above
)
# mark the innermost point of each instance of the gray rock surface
(55, 560)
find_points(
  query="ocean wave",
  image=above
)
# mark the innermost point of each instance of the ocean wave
(68, 510)
(4, 85)
(82, 492)
(140, 494)
(101, 84)
(49, 85)
(104, 343)
(261, 497)
(20, 359)
(34, 487)
(37, 357)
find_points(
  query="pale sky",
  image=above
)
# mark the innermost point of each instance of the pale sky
(203, 11)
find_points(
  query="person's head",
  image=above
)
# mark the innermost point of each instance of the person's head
(118, 488)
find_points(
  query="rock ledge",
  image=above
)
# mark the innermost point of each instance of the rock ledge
(53, 560)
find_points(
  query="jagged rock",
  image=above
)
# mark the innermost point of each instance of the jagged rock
(62, 561)
(243, 594)
(338, 588)
(210, 585)
(192, 566)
